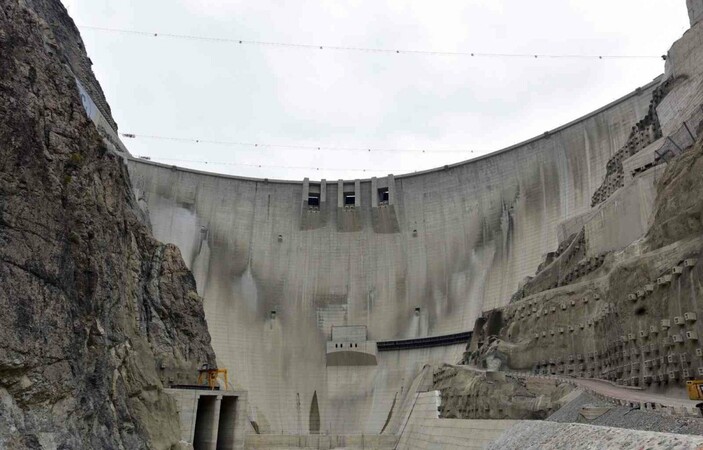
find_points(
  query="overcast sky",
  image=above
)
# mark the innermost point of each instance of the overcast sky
(301, 97)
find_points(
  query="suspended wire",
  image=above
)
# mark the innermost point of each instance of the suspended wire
(361, 49)
(264, 166)
(254, 145)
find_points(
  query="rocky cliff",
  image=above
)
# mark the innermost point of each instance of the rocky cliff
(620, 298)
(632, 318)
(95, 315)
(473, 394)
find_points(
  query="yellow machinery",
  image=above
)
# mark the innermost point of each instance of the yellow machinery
(695, 389)
(211, 375)
(695, 392)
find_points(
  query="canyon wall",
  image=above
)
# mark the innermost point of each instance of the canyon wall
(96, 314)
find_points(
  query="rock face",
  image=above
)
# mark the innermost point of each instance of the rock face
(471, 394)
(68, 42)
(625, 308)
(635, 318)
(679, 209)
(695, 10)
(95, 314)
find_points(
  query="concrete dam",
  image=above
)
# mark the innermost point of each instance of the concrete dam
(547, 295)
(293, 273)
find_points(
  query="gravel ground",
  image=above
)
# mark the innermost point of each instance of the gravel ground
(625, 417)
(536, 435)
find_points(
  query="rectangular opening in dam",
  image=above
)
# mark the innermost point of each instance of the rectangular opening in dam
(225, 428)
(314, 200)
(205, 437)
(383, 196)
(349, 199)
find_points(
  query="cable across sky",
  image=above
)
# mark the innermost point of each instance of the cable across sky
(318, 47)
(267, 166)
(326, 148)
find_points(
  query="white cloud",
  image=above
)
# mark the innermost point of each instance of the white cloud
(271, 94)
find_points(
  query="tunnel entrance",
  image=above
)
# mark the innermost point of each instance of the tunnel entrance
(225, 429)
(205, 435)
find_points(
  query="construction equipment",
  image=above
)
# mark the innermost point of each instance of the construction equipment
(695, 392)
(211, 375)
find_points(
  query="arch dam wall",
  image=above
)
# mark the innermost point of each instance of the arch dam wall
(280, 263)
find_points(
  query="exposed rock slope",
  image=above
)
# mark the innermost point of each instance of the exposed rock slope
(94, 313)
(472, 394)
(679, 208)
(636, 318)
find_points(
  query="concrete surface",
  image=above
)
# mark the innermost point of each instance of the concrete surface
(641, 159)
(212, 419)
(451, 434)
(94, 113)
(467, 235)
(426, 431)
(349, 346)
(625, 216)
(320, 442)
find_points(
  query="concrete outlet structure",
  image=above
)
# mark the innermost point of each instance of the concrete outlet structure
(212, 420)
(349, 347)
